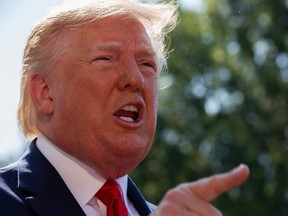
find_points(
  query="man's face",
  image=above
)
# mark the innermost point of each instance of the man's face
(104, 89)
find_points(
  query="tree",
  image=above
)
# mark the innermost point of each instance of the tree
(226, 104)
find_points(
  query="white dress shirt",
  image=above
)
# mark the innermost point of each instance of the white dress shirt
(81, 179)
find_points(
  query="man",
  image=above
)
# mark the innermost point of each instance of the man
(89, 98)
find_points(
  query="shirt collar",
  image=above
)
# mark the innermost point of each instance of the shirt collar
(81, 179)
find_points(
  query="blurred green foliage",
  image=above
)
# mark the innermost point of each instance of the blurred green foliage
(226, 104)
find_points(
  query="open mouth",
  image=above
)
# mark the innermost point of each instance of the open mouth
(129, 113)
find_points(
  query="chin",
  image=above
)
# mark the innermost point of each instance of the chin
(138, 146)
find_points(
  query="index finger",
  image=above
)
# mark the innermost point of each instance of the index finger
(211, 187)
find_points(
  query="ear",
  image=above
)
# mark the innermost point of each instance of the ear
(40, 93)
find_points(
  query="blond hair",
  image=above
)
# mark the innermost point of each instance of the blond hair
(42, 48)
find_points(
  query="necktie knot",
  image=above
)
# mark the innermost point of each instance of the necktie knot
(111, 195)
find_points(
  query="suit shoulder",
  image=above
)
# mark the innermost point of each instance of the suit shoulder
(10, 197)
(12, 201)
(8, 177)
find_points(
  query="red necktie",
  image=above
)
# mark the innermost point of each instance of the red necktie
(111, 195)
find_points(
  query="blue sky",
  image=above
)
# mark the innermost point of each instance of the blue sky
(16, 20)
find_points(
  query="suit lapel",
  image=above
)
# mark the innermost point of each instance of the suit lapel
(137, 199)
(45, 190)
(47, 193)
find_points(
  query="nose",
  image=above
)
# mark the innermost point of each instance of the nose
(130, 77)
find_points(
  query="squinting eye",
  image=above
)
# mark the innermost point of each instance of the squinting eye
(102, 58)
(148, 64)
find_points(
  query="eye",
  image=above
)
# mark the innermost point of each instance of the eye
(148, 65)
(103, 58)
(103, 62)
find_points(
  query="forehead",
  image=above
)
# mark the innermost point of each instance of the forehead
(112, 33)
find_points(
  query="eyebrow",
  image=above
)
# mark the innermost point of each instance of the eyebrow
(145, 49)
(114, 46)
(106, 47)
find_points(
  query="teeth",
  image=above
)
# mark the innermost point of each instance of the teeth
(130, 108)
(128, 113)
(127, 119)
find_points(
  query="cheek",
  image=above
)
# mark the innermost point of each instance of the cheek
(70, 101)
(153, 88)
(153, 100)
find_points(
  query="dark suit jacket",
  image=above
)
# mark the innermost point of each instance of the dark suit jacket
(32, 186)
